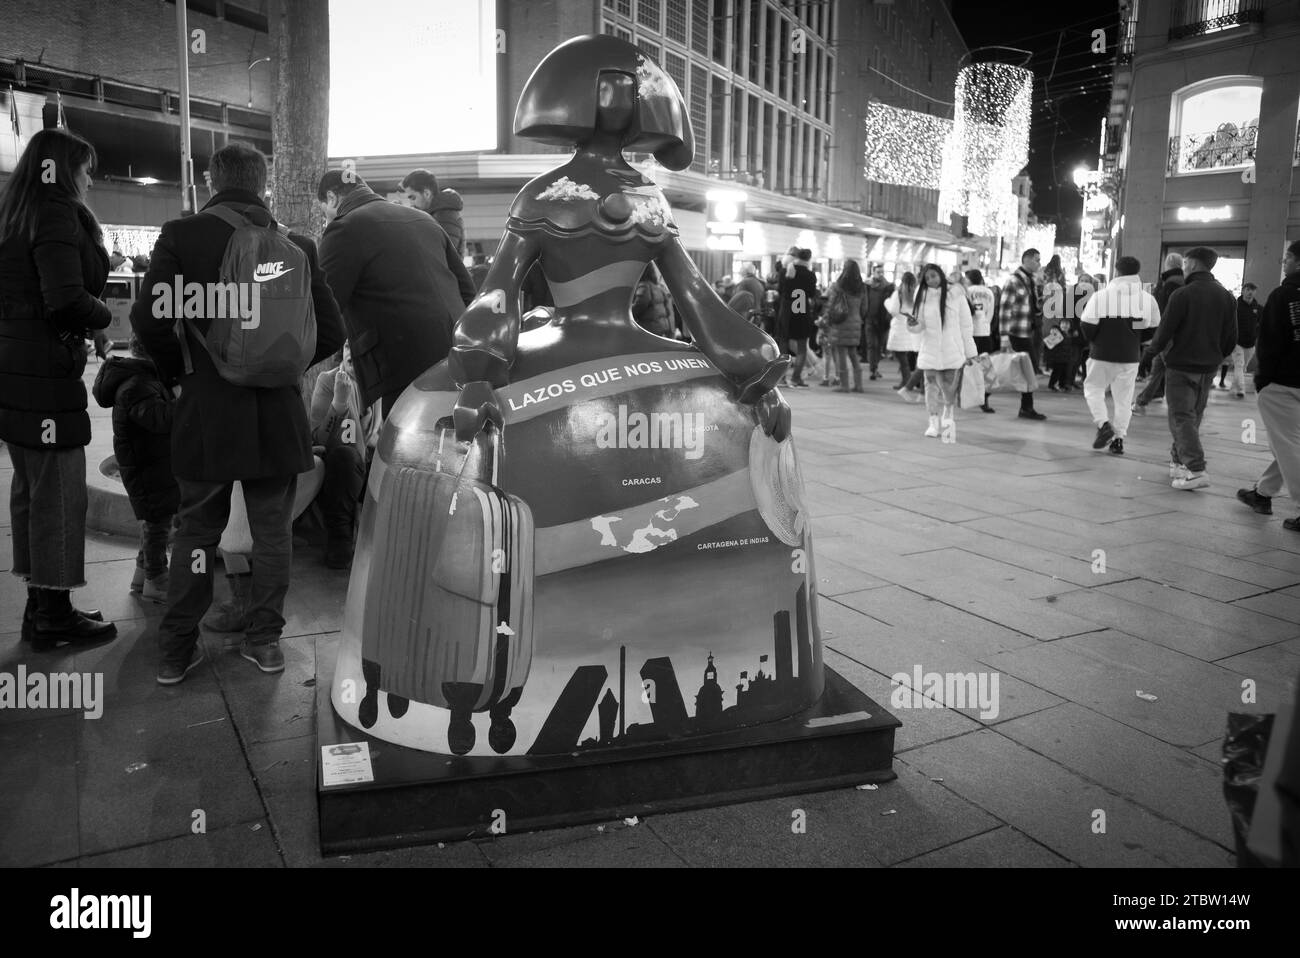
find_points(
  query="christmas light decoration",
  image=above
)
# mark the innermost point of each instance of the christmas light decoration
(904, 147)
(1041, 236)
(989, 143)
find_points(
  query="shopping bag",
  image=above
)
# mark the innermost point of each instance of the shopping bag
(1053, 338)
(972, 387)
(1266, 840)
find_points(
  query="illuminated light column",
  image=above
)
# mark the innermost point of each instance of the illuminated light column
(989, 144)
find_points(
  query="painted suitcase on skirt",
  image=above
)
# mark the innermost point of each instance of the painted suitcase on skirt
(449, 604)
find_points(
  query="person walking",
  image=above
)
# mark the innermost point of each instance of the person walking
(983, 304)
(751, 284)
(876, 329)
(1198, 328)
(1248, 317)
(444, 205)
(942, 317)
(651, 306)
(847, 312)
(1019, 314)
(223, 432)
(1277, 383)
(1112, 322)
(904, 342)
(398, 280)
(1153, 367)
(53, 267)
(798, 304)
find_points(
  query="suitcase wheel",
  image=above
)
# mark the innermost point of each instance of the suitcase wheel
(501, 736)
(397, 705)
(460, 733)
(368, 711)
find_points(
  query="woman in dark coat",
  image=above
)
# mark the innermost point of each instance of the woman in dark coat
(53, 266)
(797, 310)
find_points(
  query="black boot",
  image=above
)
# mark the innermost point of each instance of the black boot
(57, 623)
(339, 546)
(1027, 410)
(29, 613)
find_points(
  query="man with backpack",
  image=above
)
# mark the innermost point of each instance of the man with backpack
(232, 311)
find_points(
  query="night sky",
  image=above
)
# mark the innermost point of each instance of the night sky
(1071, 90)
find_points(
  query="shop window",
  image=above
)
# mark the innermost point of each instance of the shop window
(1214, 125)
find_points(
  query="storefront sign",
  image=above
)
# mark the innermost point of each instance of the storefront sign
(1204, 213)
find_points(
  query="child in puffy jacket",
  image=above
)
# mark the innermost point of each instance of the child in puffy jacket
(142, 424)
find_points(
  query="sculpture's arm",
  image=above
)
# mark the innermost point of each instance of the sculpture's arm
(488, 333)
(742, 352)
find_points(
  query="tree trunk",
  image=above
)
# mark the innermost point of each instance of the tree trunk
(300, 122)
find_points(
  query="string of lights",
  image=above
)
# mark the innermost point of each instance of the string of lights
(905, 147)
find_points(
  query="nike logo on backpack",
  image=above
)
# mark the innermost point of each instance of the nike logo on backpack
(269, 271)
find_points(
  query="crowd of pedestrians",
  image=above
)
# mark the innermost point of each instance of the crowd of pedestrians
(216, 390)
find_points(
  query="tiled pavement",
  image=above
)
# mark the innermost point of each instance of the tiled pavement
(978, 556)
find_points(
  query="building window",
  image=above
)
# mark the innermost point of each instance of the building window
(625, 8)
(718, 162)
(675, 20)
(675, 67)
(1195, 18)
(652, 50)
(699, 101)
(649, 13)
(623, 34)
(1214, 125)
(607, 27)
(700, 27)
(755, 39)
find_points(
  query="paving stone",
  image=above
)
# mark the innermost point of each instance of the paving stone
(618, 846)
(930, 501)
(950, 563)
(1034, 617)
(1056, 807)
(266, 707)
(146, 767)
(285, 771)
(1155, 775)
(1141, 557)
(1206, 642)
(906, 609)
(836, 578)
(246, 845)
(1278, 558)
(920, 726)
(1104, 671)
(1276, 604)
(1230, 618)
(1001, 848)
(38, 791)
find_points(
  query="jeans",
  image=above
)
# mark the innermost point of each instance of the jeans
(1156, 384)
(940, 389)
(205, 509)
(1279, 407)
(1185, 396)
(1121, 379)
(844, 357)
(47, 507)
(1241, 357)
(345, 478)
(799, 348)
(871, 343)
(152, 556)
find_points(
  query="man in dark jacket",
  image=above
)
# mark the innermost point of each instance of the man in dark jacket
(875, 330)
(223, 433)
(398, 281)
(1198, 328)
(1278, 383)
(1248, 314)
(797, 310)
(421, 189)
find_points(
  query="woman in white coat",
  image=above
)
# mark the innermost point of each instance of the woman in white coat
(903, 344)
(942, 317)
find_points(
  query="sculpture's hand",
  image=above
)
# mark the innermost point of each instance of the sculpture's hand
(773, 415)
(475, 407)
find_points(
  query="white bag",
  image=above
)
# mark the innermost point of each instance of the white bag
(972, 387)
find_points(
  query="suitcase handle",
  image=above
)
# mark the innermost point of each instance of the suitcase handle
(483, 455)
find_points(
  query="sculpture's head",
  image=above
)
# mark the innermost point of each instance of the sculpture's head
(601, 84)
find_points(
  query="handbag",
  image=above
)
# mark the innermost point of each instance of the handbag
(972, 387)
(836, 311)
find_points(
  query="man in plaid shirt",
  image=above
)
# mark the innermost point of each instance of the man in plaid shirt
(1019, 315)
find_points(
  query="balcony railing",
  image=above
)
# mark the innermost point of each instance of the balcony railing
(1195, 18)
(1226, 147)
(1127, 31)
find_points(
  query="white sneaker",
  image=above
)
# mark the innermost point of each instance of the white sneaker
(933, 431)
(1177, 470)
(1192, 480)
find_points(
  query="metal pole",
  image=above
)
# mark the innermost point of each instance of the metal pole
(189, 193)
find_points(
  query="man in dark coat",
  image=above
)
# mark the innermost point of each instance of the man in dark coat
(444, 205)
(223, 433)
(397, 279)
(876, 327)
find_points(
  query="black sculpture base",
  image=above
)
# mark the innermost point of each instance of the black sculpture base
(419, 797)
